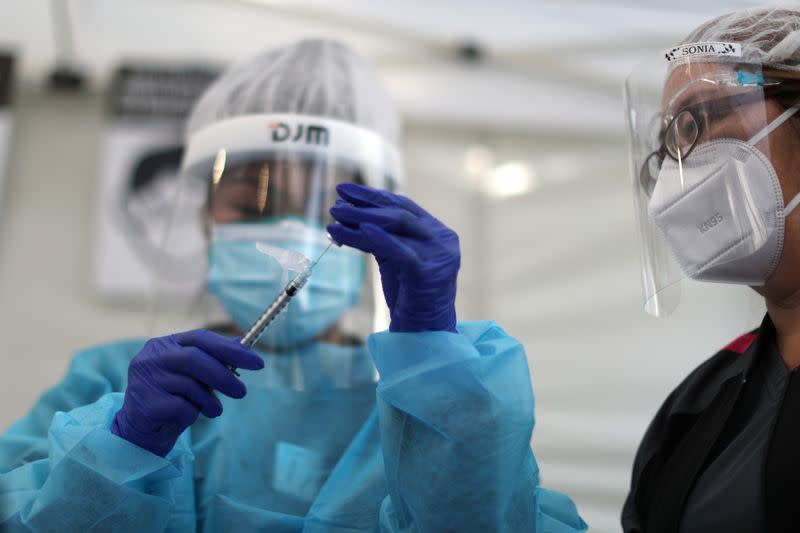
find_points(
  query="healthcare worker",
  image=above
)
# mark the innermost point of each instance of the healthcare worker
(715, 137)
(162, 435)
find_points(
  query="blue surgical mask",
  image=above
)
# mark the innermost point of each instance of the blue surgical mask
(249, 265)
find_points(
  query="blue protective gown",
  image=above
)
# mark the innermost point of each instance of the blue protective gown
(444, 447)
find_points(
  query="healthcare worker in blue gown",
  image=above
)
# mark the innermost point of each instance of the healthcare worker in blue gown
(330, 427)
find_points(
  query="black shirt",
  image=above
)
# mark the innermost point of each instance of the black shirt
(723, 451)
(728, 495)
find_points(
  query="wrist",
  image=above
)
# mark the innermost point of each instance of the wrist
(115, 429)
(421, 319)
(425, 308)
(124, 429)
(404, 327)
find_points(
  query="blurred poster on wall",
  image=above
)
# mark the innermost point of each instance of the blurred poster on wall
(139, 176)
(6, 115)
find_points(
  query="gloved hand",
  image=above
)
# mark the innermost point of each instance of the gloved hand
(170, 383)
(417, 255)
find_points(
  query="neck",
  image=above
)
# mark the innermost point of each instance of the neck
(787, 330)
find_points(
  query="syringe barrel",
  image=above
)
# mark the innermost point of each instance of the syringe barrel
(275, 309)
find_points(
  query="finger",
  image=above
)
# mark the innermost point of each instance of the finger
(186, 412)
(389, 247)
(392, 219)
(408, 204)
(352, 237)
(174, 409)
(193, 391)
(224, 349)
(353, 224)
(201, 366)
(362, 196)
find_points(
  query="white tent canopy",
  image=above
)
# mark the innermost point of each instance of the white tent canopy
(571, 54)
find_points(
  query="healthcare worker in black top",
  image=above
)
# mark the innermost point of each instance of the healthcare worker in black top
(715, 147)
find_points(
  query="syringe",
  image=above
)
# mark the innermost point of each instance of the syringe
(283, 299)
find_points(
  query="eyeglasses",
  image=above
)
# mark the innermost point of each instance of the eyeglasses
(683, 130)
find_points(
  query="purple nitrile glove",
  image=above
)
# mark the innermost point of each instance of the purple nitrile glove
(417, 255)
(171, 381)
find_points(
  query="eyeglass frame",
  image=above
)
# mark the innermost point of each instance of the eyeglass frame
(768, 80)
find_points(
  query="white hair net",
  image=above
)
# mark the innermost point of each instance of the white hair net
(317, 77)
(769, 36)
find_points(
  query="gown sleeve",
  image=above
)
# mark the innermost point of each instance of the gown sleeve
(61, 469)
(456, 418)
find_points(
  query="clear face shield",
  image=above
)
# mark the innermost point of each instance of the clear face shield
(269, 182)
(703, 130)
